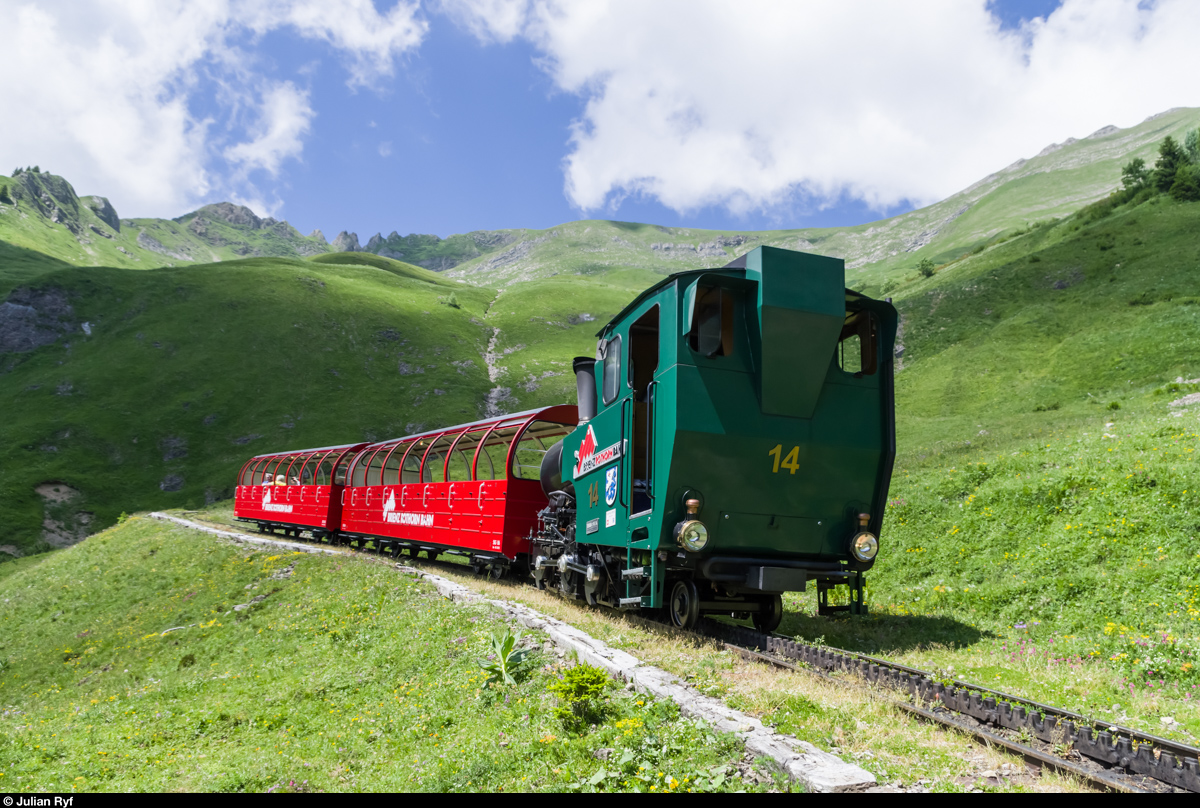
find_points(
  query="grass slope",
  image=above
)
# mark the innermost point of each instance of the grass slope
(1052, 184)
(127, 668)
(43, 213)
(188, 371)
(1044, 521)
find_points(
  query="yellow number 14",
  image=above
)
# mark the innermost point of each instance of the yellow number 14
(791, 462)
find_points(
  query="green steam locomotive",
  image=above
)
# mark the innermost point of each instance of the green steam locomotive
(736, 439)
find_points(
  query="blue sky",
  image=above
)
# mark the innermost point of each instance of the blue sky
(475, 139)
(444, 116)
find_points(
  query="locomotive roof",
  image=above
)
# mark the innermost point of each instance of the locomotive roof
(735, 268)
(667, 281)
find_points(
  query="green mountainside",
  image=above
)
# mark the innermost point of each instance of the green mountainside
(125, 389)
(41, 211)
(138, 385)
(44, 214)
(1054, 183)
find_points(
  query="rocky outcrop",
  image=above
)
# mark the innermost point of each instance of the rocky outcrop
(154, 245)
(239, 215)
(1053, 147)
(346, 242)
(491, 240)
(104, 211)
(921, 239)
(199, 226)
(31, 318)
(50, 196)
(375, 243)
(63, 522)
(319, 236)
(711, 249)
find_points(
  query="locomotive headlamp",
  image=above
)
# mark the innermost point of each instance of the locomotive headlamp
(691, 534)
(864, 546)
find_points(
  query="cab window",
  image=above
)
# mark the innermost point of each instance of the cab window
(612, 370)
(712, 322)
(857, 352)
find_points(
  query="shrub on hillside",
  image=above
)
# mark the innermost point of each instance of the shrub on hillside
(1191, 145)
(1170, 157)
(580, 695)
(1134, 174)
(4, 197)
(926, 268)
(1186, 187)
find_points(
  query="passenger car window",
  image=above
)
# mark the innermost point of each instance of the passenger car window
(324, 471)
(391, 470)
(412, 465)
(538, 438)
(612, 370)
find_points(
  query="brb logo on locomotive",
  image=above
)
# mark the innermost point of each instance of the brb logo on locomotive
(588, 459)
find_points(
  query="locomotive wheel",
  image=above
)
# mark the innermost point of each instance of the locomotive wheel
(767, 618)
(685, 604)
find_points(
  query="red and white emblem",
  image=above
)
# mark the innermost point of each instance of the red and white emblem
(588, 459)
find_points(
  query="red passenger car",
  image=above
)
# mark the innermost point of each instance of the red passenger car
(295, 491)
(472, 488)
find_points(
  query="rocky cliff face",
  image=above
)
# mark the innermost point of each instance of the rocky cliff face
(346, 242)
(31, 318)
(104, 211)
(50, 196)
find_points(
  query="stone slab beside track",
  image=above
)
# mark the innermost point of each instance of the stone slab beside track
(817, 770)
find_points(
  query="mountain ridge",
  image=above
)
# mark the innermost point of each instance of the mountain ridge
(1062, 177)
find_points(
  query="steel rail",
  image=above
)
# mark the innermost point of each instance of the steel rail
(1102, 779)
(1161, 759)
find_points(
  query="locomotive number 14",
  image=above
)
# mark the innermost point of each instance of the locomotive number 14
(791, 462)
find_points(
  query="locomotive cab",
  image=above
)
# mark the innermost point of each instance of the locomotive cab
(736, 441)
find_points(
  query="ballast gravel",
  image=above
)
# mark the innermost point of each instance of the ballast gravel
(817, 770)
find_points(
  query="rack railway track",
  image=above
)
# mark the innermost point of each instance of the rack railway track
(1112, 757)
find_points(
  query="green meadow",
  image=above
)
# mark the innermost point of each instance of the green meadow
(153, 658)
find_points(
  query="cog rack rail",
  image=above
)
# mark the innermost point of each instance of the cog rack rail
(1161, 759)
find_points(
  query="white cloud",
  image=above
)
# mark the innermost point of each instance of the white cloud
(286, 115)
(488, 20)
(385, 148)
(104, 92)
(759, 104)
(372, 40)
